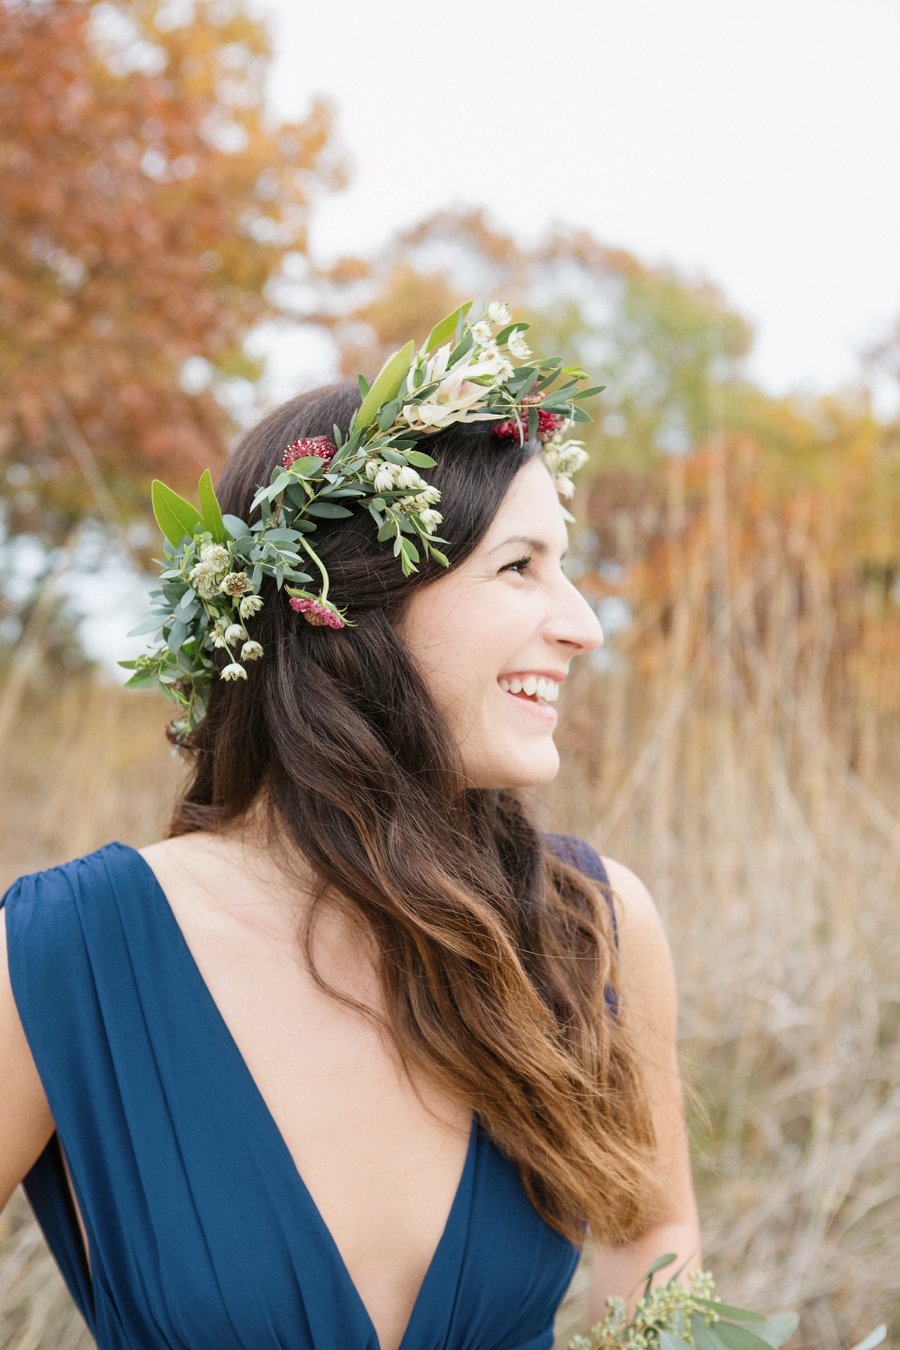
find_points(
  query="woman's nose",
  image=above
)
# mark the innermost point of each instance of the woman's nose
(574, 621)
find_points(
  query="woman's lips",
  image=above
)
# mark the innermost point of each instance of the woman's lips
(545, 711)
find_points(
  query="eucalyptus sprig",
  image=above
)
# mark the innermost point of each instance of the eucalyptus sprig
(688, 1316)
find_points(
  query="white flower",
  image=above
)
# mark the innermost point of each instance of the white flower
(564, 486)
(234, 672)
(498, 313)
(203, 579)
(430, 519)
(384, 478)
(236, 583)
(482, 332)
(517, 345)
(494, 363)
(571, 456)
(427, 497)
(250, 605)
(408, 478)
(217, 556)
(372, 467)
(251, 651)
(436, 367)
(219, 635)
(235, 632)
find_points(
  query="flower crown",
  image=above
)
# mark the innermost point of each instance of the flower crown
(468, 370)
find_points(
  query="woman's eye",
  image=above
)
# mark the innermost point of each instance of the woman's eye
(518, 566)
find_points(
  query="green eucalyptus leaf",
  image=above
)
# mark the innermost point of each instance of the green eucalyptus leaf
(209, 506)
(235, 526)
(446, 327)
(388, 415)
(461, 349)
(589, 393)
(775, 1330)
(177, 634)
(420, 460)
(729, 1311)
(363, 390)
(441, 557)
(256, 578)
(669, 1341)
(141, 679)
(329, 510)
(306, 466)
(148, 626)
(281, 535)
(532, 422)
(174, 516)
(410, 549)
(385, 386)
(392, 457)
(659, 1264)
(739, 1338)
(388, 529)
(705, 1337)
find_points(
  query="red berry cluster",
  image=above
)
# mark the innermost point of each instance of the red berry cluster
(548, 425)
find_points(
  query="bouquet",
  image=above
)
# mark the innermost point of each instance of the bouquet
(676, 1316)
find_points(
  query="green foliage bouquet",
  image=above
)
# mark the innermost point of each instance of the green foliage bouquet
(676, 1316)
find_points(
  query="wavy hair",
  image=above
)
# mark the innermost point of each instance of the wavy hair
(492, 953)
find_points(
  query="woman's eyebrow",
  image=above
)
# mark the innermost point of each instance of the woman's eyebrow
(536, 545)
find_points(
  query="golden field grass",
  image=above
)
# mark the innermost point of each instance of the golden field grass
(775, 867)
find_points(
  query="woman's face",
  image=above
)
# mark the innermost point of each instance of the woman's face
(497, 617)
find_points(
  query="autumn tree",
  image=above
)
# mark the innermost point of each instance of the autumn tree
(148, 202)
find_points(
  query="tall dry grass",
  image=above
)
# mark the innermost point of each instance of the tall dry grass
(719, 774)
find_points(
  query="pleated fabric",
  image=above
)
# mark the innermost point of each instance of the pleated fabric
(202, 1233)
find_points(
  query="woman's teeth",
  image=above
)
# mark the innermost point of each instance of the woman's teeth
(546, 691)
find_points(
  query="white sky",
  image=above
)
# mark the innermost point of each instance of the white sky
(757, 144)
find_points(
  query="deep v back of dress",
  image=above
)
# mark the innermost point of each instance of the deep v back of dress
(202, 1231)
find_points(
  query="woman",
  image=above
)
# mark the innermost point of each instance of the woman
(352, 1059)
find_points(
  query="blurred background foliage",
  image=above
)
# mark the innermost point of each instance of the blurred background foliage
(738, 740)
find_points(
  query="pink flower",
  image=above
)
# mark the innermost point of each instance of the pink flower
(323, 446)
(316, 613)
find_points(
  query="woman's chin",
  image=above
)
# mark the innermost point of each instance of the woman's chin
(539, 767)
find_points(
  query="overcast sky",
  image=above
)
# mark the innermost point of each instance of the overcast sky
(757, 144)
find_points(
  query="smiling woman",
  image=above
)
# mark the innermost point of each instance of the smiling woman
(352, 1057)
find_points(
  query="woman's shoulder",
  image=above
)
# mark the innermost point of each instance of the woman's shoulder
(50, 915)
(57, 882)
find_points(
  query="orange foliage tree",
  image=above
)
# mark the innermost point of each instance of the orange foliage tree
(147, 206)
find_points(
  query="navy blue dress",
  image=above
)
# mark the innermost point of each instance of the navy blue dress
(201, 1231)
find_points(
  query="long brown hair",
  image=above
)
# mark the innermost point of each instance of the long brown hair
(493, 954)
